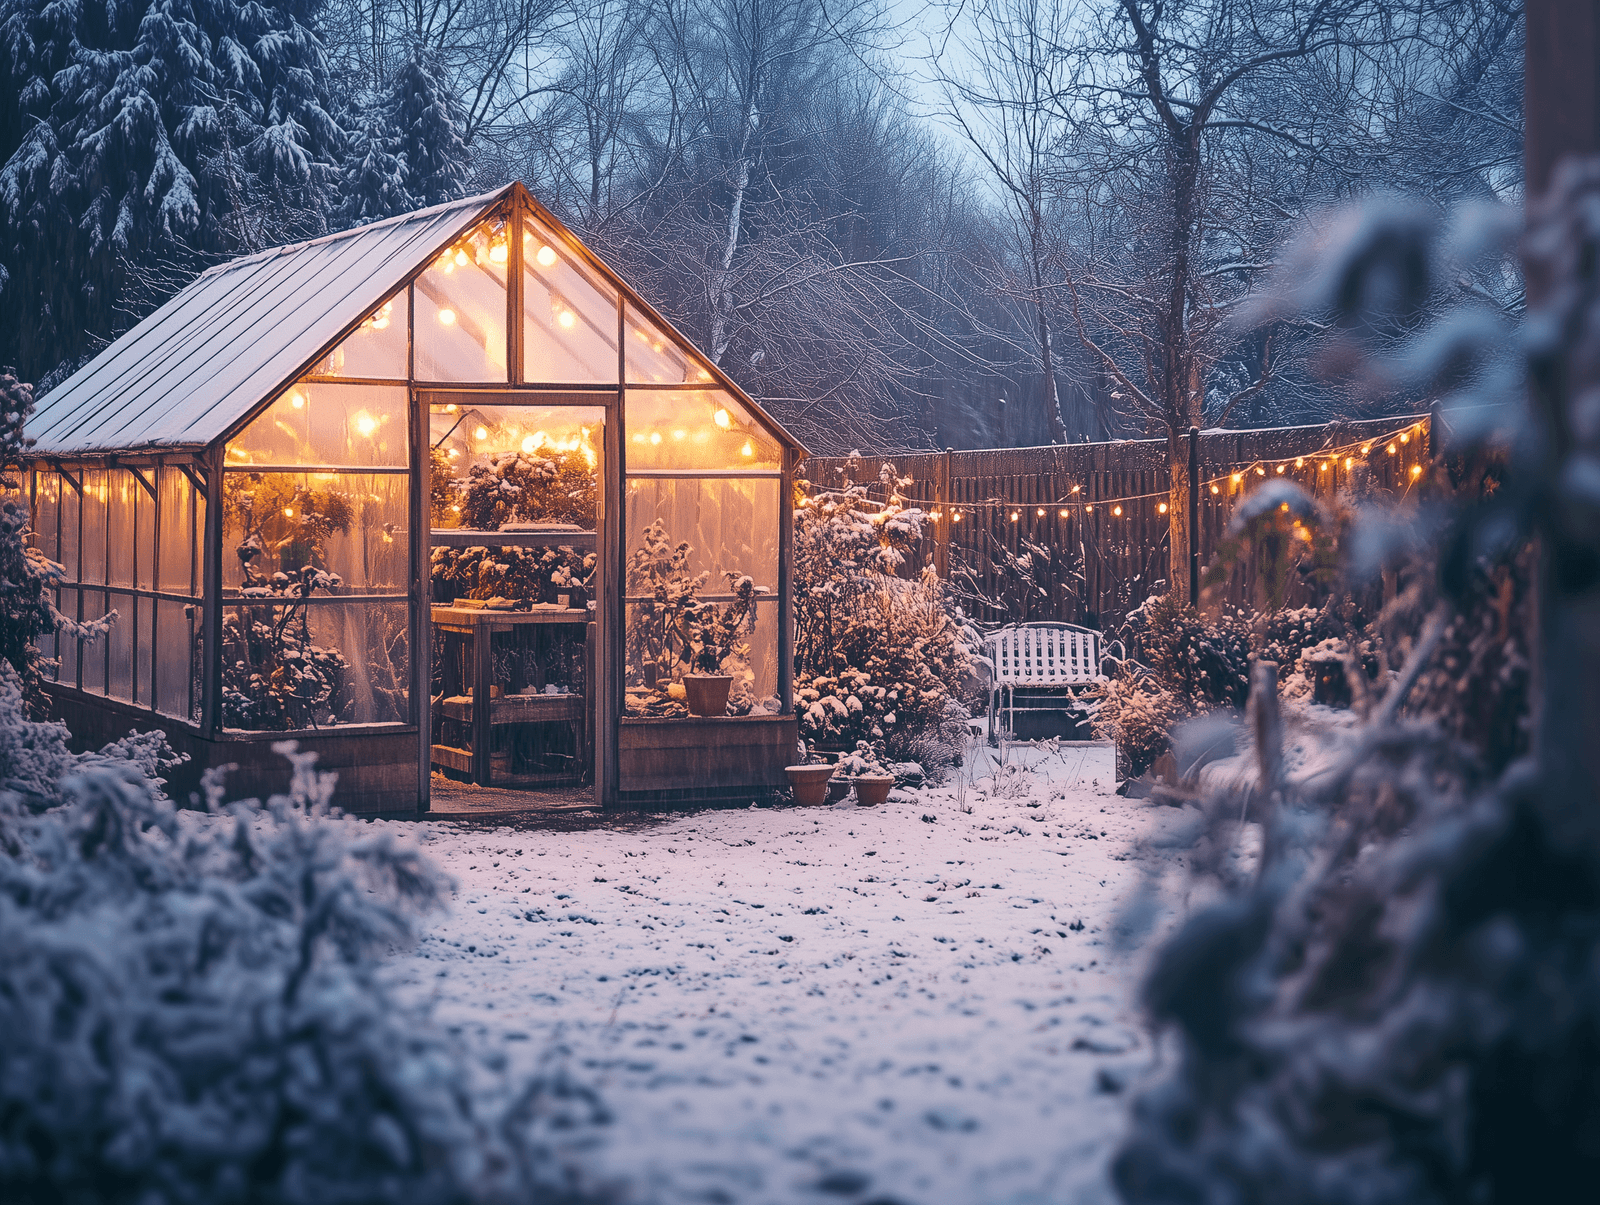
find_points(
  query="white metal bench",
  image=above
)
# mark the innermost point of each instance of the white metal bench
(1043, 656)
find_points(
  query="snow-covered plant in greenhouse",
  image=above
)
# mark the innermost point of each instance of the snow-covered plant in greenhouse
(878, 656)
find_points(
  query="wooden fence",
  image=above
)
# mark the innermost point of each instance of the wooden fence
(1079, 532)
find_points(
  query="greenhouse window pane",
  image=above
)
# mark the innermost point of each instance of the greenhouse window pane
(320, 423)
(655, 658)
(93, 653)
(284, 528)
(71, 508)
(658, 358)
(179, 535)
(46, 515)
(729, 524)
(314, 665)
(376, 348)
(495, 466)
(144, 530)
(569, 319)
(123, 639)
(695, 429)
(121, 498)
(67, 646)
(461, 310)
(92, 554)
(179, 628)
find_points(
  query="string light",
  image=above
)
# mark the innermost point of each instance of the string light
(1065, 513)
(1237, 478)
(1299, 462)
(546, 256)
(1365, 449)
(1416, 470)
(1393, 449)
(1215, 490)
(747, 450)
(1162, 509)
(1117, 510)
(1041, 512)
(288, 512)
(1326, 465)
(498, 253)
(481, 433)
(1405, 437)
(1281, 467)
(723, 419)
(1076, 488)
(1014, 516)
(1349, 462)
(956, 518)
(447, 317)
(1260, 472)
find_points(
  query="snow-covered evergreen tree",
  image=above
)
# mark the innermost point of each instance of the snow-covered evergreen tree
(133, 130)
(409, 150)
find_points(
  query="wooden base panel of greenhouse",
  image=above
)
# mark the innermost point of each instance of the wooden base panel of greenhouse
(682, 761)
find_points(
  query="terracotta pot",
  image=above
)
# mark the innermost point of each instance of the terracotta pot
(838, 788)
(873, 789)
(809, 783)
(707, 693)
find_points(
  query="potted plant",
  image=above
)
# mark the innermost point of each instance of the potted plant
(866, 770)
(809, 779)
(717, 640)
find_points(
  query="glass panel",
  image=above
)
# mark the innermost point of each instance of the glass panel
(656, 357)
(314, 665)
(93, 552)
(179, 537)
(695, 429)
(282, 528)
(46, 514)
(730, 525)
(68, 603)
(120, 491)
(657, 659)
(502, 466)
(318, 423)
(569, 319)
(376, 348)
(93, 654)
(143, 653)
(179, 629)
(144, 524)
(461, 310)
(71, 506)
(123, 638)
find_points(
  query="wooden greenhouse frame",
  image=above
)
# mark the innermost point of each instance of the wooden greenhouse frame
(170, 412)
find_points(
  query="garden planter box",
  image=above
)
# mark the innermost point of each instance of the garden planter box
(873, 789)
(708, 758)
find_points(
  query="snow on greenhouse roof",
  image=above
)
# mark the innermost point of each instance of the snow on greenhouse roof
(185, 374)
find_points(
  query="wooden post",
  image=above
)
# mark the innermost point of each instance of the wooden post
(941, 529)
(421, 630)
(211, 668)
(791, 460)
(1194, 516)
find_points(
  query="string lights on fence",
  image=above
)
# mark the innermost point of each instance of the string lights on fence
(1233, 479)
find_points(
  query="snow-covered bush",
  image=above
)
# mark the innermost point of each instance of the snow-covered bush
(191, 1008)
(878, 657)
(523, 574)
(1134, 709)
(1402, 1004)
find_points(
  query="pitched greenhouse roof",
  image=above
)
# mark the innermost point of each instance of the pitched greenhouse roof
(185, 374)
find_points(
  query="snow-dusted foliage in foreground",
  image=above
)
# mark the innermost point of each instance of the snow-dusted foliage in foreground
(190, 1008)
(1403, 1004)
(878, 657)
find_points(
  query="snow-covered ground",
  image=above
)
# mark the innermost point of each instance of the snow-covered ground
(920, 1003)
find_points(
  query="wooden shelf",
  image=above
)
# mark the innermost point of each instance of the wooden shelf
(517, 709)
(469, 619)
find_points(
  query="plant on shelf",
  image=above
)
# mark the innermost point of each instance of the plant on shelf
(526, 574)
(868, 771)
(554, 485)
(275, 677)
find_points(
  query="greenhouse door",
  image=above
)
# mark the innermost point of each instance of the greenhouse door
(519, 514)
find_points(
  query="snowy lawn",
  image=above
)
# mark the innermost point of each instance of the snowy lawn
(914, 1004)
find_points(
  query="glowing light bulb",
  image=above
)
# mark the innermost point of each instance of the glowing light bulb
(288, 512)
(1076, 488)
(1349, 462)
(1237, 478)
(655, 437)
(1284, 507)
(1299, 462)
(723, 419)
(546, 256)
(680, 435)
(567, 319)
(956, 518)
(1015, 516)
(1065, 513)
(498, 253)
(747, 450)
(1416, 470)
(481, 433)
(1041, 512)
(366, 424)
(297, 400)
(1215, 490)
(1161, 509)
(1393, 449)
(461, 259)
(528, 445)
(639, 438)
(447, 317)
(1405, 437)
(1365, 448)
(1089, 507)
(1281, 467)
(454, 452)
(457, 509)
(1260, 472)
(450, 409)
(1326, 465)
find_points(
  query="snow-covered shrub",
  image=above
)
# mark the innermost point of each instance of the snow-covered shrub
(878, 657)
(523, 574)
(1134, 709)
(191, 1008)
(1402, 1004)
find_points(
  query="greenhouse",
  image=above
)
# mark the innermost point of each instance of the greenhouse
(456, 432)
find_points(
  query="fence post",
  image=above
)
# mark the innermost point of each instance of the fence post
(941, 529)
(1194, 516)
